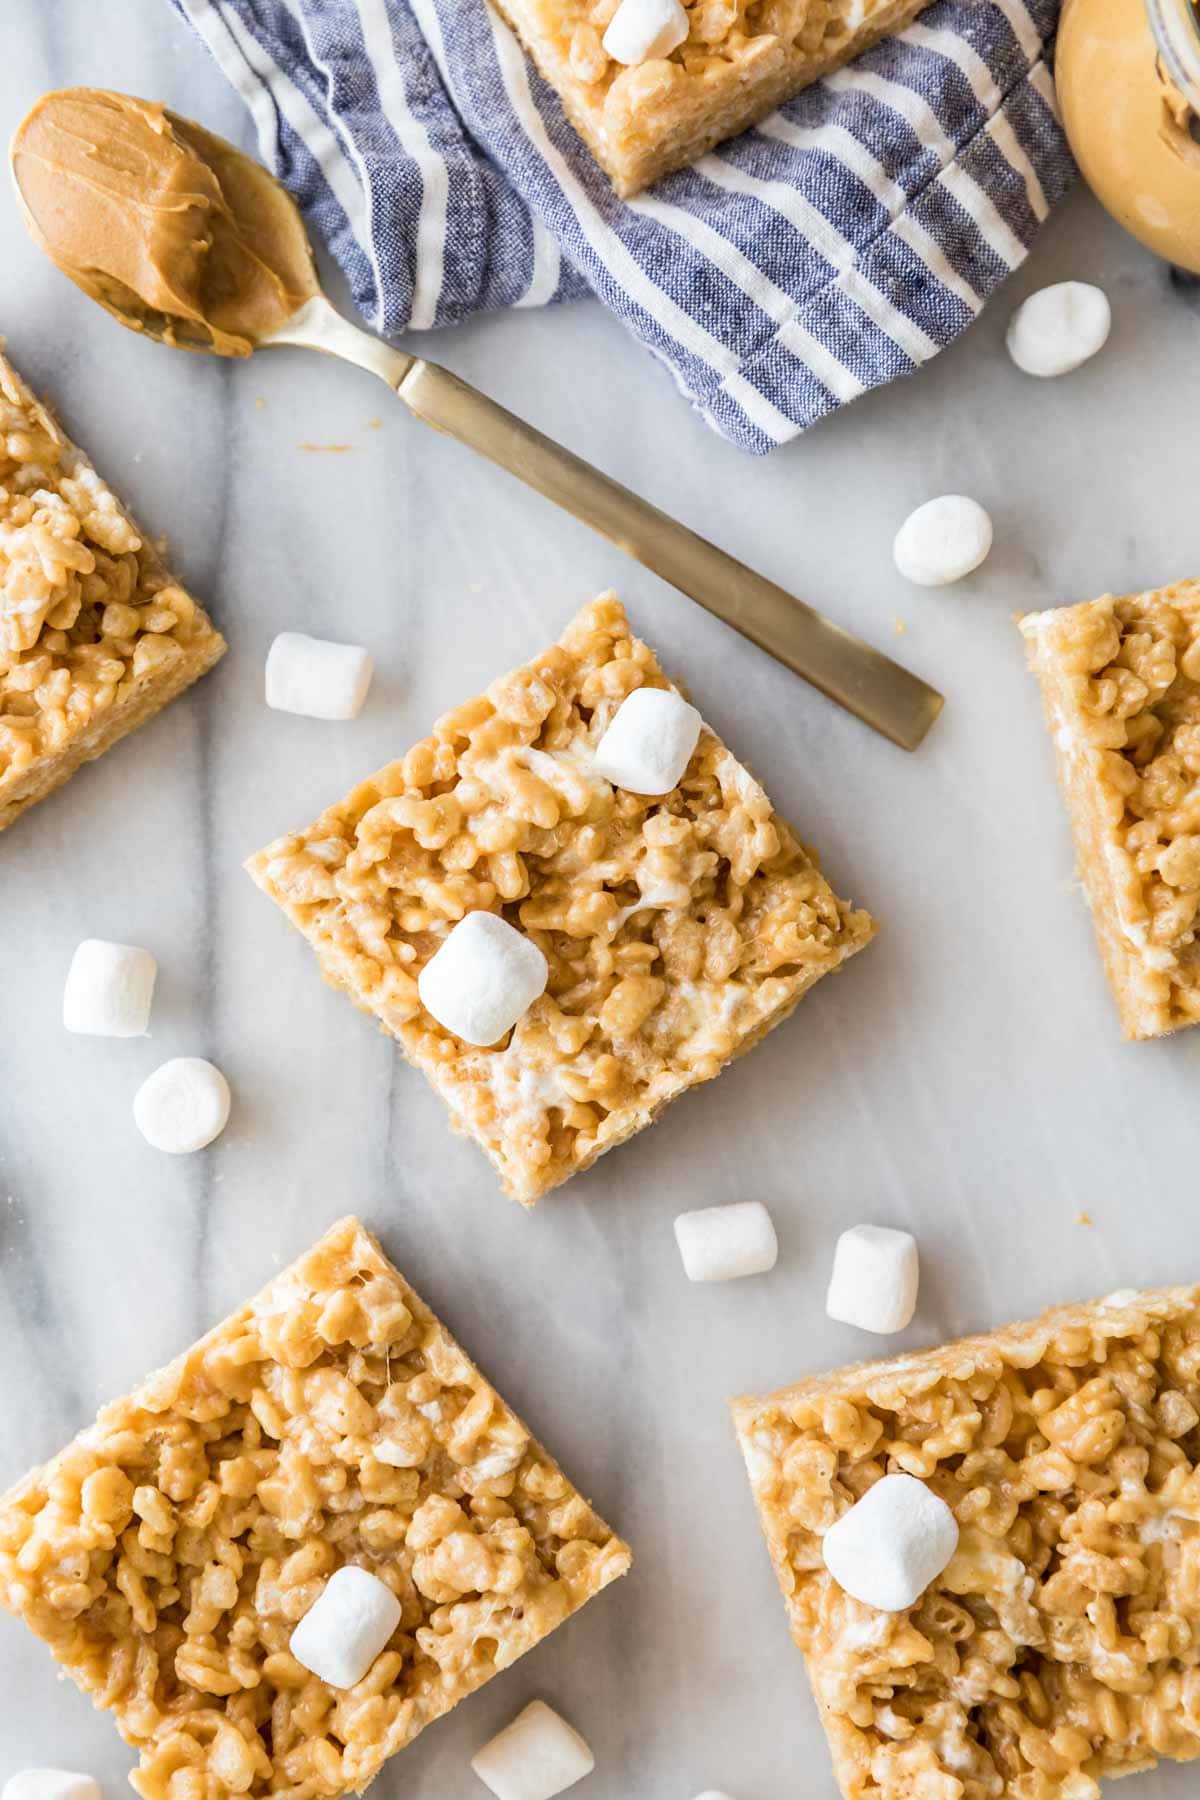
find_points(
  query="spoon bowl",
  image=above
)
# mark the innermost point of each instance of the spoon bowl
(186, 239)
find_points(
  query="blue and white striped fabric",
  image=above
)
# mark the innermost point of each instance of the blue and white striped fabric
(839, 245)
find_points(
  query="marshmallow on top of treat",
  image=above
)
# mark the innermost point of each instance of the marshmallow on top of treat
(1059, 328)
(183, 1106)
(109, 990)
(50, 1784)
(640, 30)
(943, 540)
(721, 1243)
(537, 1756)
(482, 978)
(347, 1627)
(649, 741)
(317, 678)
(891, 1544)
(874, 1281)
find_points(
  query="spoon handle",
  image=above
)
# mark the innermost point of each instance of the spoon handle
(863, 680)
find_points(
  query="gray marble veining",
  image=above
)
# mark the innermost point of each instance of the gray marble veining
(963, 1078)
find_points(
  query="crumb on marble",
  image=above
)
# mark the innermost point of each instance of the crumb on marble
(901, 627)
(1084, 1218)
(337, 448)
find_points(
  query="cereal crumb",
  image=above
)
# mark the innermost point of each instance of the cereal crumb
(1084, 1218)
(334, 447)
(374, 424)
(259, 403)
(901, 627)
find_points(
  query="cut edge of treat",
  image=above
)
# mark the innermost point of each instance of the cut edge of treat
(1077, 781)
(1022, 1343)
(149, 694)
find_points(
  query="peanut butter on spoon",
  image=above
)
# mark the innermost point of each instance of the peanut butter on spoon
(172, 230)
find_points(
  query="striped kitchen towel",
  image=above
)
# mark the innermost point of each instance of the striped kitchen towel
(842, 243)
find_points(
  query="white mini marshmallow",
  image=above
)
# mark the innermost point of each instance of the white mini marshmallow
(874, 1280)
(341, 1635)
(888, 1548)
(183, 1106)
(318, 678)
(649, 742)
(109, 989)
(483, 978)
(642, 29)
(50, 1784)
(721, 1243)
(534, 1758)
(1059, 327)
(943, 540)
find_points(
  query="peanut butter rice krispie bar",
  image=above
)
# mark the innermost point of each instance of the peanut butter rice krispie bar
(1062, 1642)
(678, 929)
(740, 60)
(95, 636)
(168, 1553)
(1120, 679)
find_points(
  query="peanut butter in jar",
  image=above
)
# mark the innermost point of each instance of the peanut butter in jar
(1128, 78)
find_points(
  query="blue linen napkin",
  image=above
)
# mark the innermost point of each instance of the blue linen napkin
(840, 244)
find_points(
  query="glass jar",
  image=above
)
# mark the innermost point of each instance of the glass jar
(1128, 78)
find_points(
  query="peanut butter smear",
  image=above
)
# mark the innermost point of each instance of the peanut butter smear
(173, 231)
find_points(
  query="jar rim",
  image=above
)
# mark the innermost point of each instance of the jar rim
(1176, 28)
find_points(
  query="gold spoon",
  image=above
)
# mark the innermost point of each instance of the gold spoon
(184, 238)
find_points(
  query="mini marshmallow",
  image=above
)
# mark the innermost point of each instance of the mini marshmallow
(534, 1758)
(109, 989)
(942, 541)
(642, 29)
(341, 1635)
(722, 1243)
(320, 679)
(874, 1280)
(1058, 328)
(183, 1106)
(50, 1784)
(891, 1544)
(483, 978)
(649, 742)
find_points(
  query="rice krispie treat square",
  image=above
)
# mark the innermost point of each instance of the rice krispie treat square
(678, 929)
(740, 60)
(167, 1555)
(1120, 680)
(1062, 1642)
(95, 636)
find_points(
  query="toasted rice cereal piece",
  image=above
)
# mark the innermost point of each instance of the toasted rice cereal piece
(168, 1553)
(741, 59)
(1120, 680)
(678, 929)
(95, 636)
(1062, 1642)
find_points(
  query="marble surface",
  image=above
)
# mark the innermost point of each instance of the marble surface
(964, 1078)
